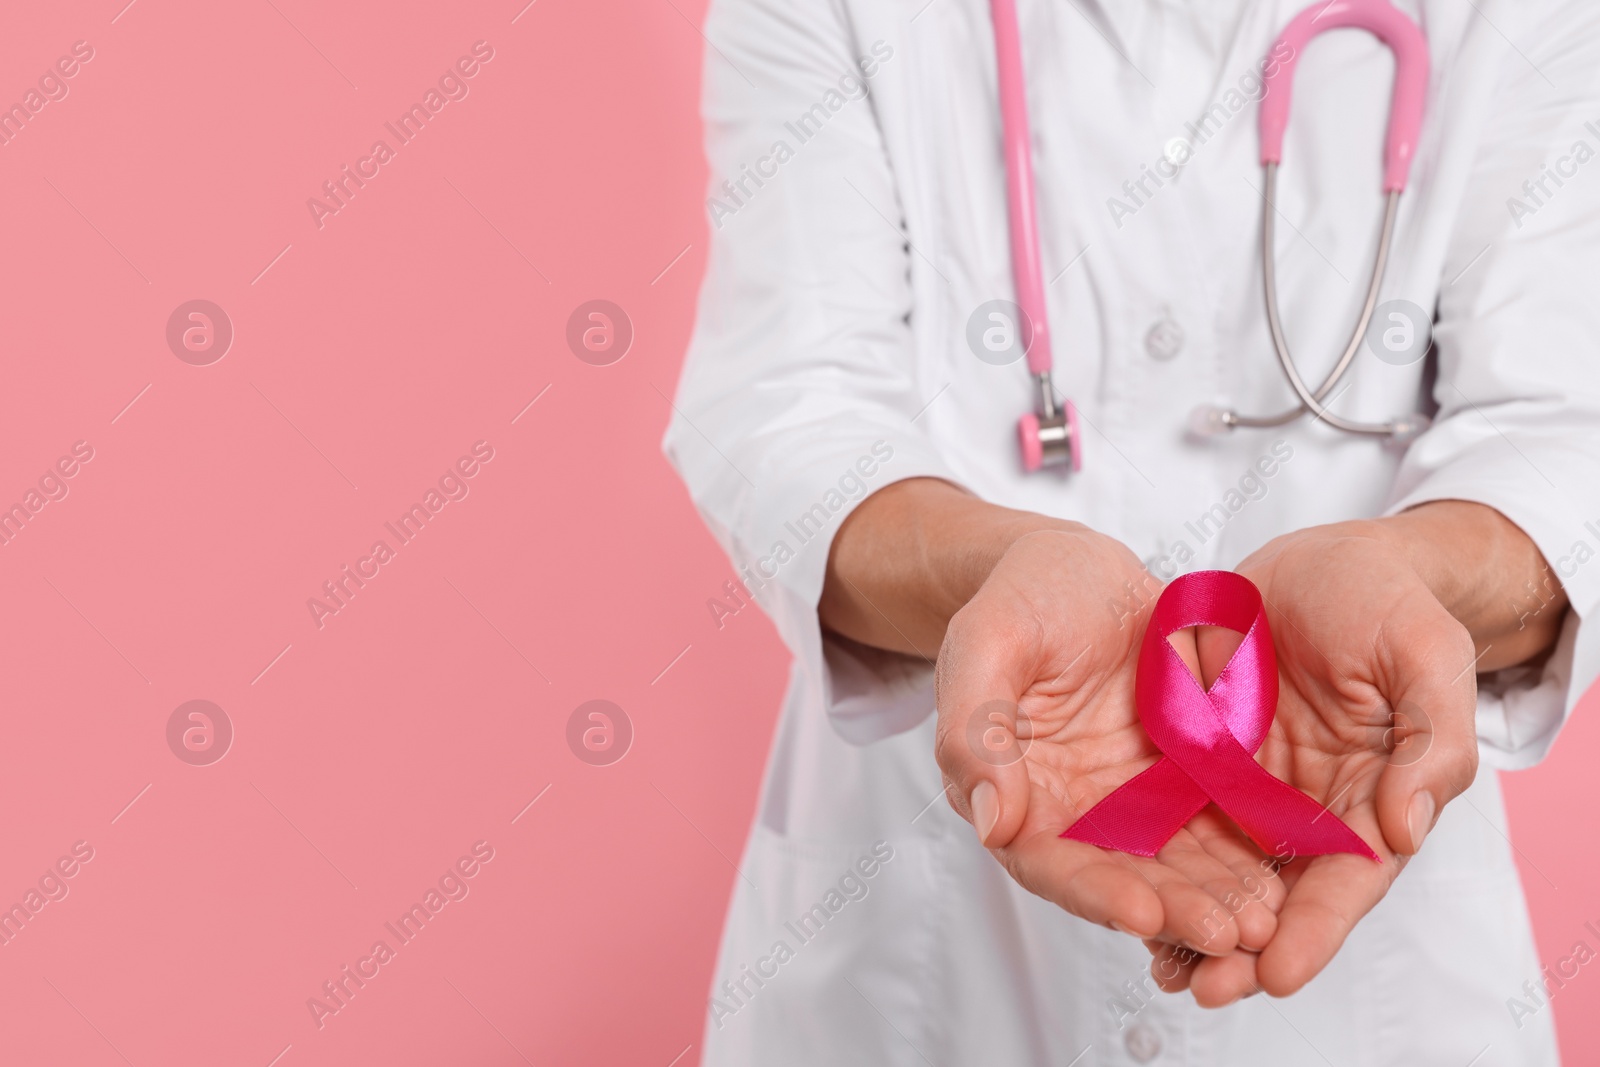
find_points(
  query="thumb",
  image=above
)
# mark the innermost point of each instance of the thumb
(1431, 738)
(984, 667)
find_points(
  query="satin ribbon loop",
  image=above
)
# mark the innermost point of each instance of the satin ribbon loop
(1208, 738)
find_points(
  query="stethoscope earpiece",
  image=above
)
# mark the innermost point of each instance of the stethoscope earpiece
(1050, 437)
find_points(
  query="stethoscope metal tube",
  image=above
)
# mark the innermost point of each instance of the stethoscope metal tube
(1049, 435)
(1211, 420)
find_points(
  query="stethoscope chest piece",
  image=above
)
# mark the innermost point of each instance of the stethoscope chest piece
(1051, 438)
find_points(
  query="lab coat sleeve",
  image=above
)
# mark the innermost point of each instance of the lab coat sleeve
(1518, 347)
(798, 396)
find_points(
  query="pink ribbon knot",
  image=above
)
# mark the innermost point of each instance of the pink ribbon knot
(1208, 738)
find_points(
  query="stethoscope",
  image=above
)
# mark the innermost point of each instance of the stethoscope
(1051, 436)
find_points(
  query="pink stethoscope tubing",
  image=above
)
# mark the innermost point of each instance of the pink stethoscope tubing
(1050, 435)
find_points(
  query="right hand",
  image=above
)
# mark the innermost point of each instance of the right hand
(1037, 723)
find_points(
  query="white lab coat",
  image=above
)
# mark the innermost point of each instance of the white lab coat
(830, 358)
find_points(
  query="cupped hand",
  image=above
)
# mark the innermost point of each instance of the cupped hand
(1375, 720)
(1037, 723)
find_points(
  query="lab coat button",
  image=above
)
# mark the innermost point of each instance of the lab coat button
(1144, 1043)
(1178, 151)
(1165, 340)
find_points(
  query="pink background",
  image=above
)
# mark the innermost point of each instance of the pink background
(369, 354)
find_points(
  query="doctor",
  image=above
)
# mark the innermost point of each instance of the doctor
(847, 426)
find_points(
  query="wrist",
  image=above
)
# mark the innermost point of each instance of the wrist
(1486, 572)
(964, 538)
(1453, 546)
(911, 556)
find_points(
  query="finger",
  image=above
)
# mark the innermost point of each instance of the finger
(1330, 896)
(1433, 742)
(1102, 887)
(1264, 894)
(1218, 982)
(1171, 966)
(1214, 931)
(1195, 918)
(1257, 893)
(988, 660)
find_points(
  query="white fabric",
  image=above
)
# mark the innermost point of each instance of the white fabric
(848, 254)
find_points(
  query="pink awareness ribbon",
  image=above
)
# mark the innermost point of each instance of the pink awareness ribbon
(1208, 738)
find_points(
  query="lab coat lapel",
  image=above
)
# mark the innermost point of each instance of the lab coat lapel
(1126, 26)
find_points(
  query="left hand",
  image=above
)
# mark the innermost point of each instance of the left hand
(1375, 720)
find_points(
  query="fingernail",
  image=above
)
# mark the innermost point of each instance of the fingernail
(985, 801)
(1119, 928)
(1420, 818)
